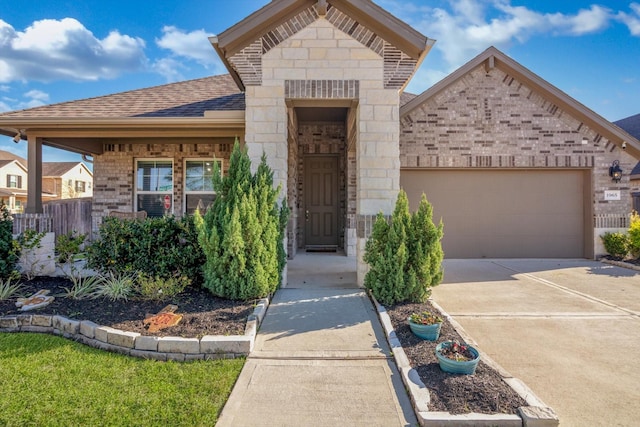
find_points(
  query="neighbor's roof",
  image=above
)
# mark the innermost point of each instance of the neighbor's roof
(56, 169)
(631, 125)
(183, 99)
(7, 155)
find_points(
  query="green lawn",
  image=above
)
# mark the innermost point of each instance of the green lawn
(51, 381)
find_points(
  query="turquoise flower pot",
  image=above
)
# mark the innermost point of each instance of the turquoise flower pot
(426, 332)
(456, 367)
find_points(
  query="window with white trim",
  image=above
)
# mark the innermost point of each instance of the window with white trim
(154, 186)
(14, 181)
(198, 184)
(80, 186)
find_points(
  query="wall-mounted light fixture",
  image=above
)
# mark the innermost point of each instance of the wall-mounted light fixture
(615, 172)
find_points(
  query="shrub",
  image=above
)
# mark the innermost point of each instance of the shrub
(9, 248)
(163, 247)
(9, 288)
(633, 235)
(158, 288)
(242, 233)
(616, 244)
(68, 246)
(404, 254)
(115, 286)
(83, 287)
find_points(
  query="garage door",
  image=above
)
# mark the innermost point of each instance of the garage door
(505, 214)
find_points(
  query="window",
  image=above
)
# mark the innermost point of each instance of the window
(80, 186)
(14, 181)
(154, 187)
(198, 184)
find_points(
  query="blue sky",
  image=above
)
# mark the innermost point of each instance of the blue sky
(59, 50)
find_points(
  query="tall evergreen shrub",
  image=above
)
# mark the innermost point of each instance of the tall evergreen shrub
(404, 254)
(9, 248)
(242, 233)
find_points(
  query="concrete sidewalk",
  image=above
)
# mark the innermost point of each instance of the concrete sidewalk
(320, 359)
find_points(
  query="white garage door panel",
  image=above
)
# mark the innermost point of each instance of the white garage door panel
(504, 214)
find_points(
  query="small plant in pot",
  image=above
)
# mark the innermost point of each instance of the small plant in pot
(425, 325)
(457, 358)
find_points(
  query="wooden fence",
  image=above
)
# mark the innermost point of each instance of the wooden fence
(59, 216)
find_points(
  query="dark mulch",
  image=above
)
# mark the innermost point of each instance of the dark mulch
(483, 392)
(203, 313)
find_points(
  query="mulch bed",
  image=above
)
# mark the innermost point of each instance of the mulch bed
(204, 314)
(484, 392)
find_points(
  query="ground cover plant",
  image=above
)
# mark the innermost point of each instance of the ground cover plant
(51, 381)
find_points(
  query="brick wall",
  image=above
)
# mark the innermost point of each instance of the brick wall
(492, 120)
(114, 170)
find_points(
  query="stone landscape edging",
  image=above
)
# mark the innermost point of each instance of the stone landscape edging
(134, 344)
(536, 414)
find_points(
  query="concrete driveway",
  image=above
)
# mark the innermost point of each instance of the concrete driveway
(570, 329)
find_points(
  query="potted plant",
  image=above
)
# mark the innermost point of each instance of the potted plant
(457, 358)
(425, 325)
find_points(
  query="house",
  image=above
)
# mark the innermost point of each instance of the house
(631, 125)
(514, 166)
(67, 180)
(13, 181)
(60, 180)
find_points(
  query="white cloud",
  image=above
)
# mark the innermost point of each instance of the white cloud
(632, 20)
(169, 68)
(65, 50)
(193, 45)
(467, 27)
(37, 95)
(4, 107)
(190, 46)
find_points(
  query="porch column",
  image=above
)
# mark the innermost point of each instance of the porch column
(34, 175)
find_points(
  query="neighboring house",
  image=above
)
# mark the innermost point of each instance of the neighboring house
(67, 180)
(632, 126)
(13, 185)
(514, 166)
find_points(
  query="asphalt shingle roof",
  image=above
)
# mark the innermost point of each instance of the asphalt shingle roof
(57, 168)
(631, 125)
(189, 98)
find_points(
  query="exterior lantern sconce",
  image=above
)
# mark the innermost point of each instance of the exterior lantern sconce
(615, 172)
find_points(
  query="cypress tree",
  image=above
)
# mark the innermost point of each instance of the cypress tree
(242, 233)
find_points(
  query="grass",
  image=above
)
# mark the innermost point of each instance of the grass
(47, 380)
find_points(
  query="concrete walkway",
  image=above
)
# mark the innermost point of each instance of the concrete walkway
(570, 329)
(320, 358)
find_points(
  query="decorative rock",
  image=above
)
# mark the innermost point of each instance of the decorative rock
(8, 322)
(122, 338)
(40, 320)
(101, 333)
(88, 328)
(179, 345)
(146, 343)
(538, 416)
(37, 300)
(225, 344)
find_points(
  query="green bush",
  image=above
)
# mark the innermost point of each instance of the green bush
(616, 244)
(634, 235)
(163, 247)
(404, 254)
(9, 248)
(68, 246)
(242, 233)
(158, 288)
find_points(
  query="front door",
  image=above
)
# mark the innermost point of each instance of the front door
(321, 202)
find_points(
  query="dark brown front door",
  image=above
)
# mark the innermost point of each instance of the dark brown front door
(321, 202)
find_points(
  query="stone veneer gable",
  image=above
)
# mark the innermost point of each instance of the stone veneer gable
(398, 67)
